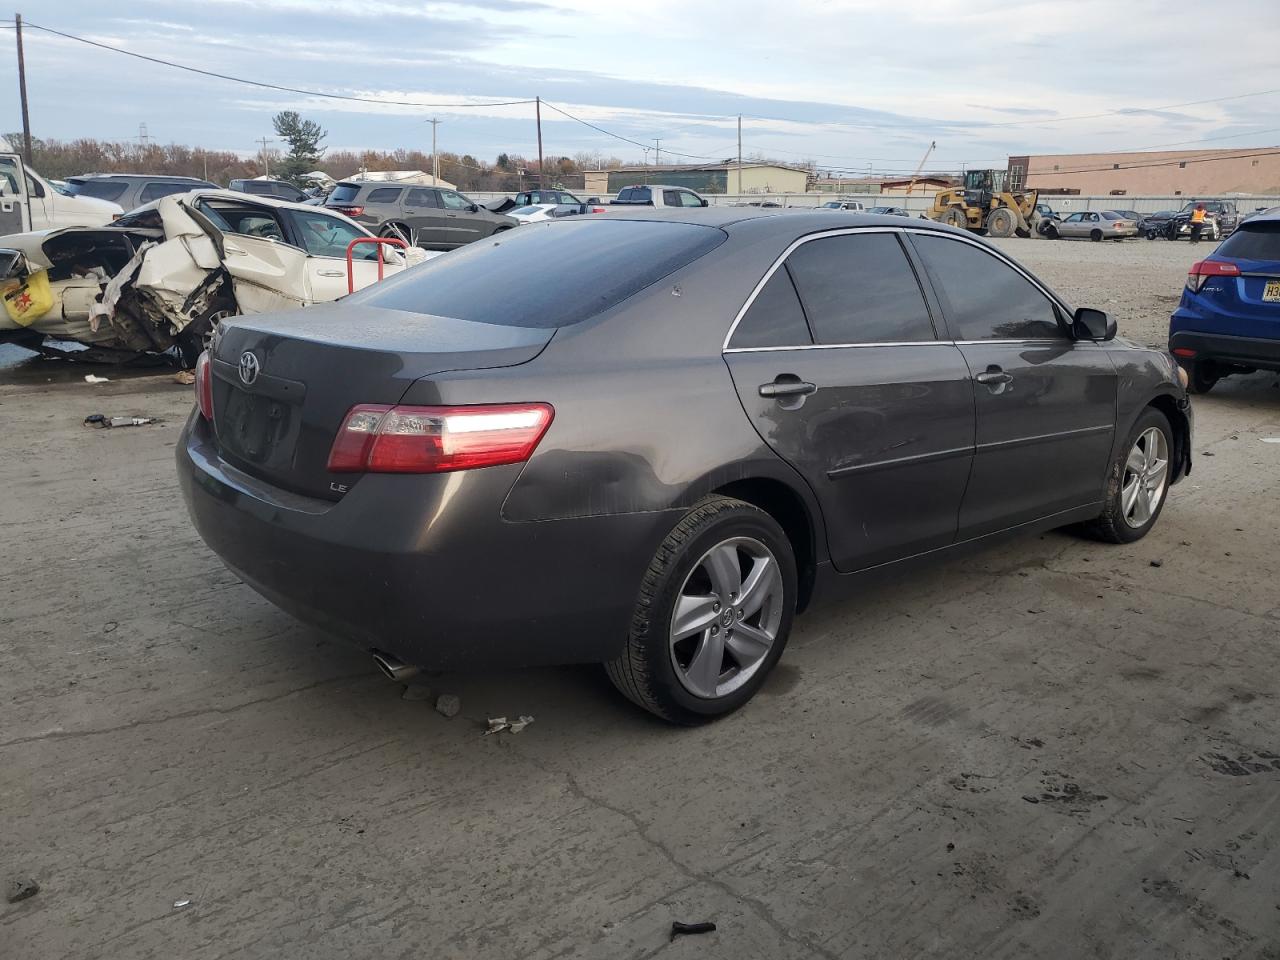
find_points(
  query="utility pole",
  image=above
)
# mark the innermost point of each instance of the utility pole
(143, 136)
(435, 159)
(542, 174)
(22, 90)
(657, 152)
(266, 161)
(204, 155)
(739, 153)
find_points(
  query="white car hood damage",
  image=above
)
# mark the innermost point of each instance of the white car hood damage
(182, 281)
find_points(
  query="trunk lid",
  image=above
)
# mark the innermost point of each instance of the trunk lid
(282, 383)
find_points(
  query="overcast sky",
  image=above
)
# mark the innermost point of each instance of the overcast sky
(848, 84)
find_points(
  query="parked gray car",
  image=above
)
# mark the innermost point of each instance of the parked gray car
(1092, 225)
(430, 217)
(132, 190)
(650, 439)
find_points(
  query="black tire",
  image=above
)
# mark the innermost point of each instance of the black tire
(955, 217)
(1111, 526)
(396, 231)
(1002, 222)
(1096, 236)
(645, 672)
(1201, 375)
(1052, 232)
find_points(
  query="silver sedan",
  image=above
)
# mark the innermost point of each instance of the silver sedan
(1106, 225)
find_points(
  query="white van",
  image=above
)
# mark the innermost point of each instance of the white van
(29, 202)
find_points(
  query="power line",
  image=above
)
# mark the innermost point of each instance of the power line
(260, 83)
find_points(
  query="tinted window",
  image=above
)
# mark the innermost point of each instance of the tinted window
(775, 318)
(344, 193)
(154, 191)
(545, 274)
(259, 187)
(859, 288)
(671, 198)
(635, 195)
(289, 192)
(984, 298)
(1111, 215)
(384, 195)
(420, 198)
(1253, 241)
(102, 189)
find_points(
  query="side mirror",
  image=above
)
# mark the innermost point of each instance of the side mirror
(1091, 324)
(704, 203)
(474, 208)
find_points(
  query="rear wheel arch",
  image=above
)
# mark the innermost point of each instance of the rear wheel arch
(793, 514)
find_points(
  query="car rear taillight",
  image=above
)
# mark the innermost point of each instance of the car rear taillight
(376, 438)
(1204, 269)
(599, 210)
(204, 386)
(349, 211)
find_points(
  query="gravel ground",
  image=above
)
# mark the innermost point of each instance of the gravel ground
(1139, 282)
(1056, 748)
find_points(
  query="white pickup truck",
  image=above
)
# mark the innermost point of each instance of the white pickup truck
(29, 202)
(656, 195)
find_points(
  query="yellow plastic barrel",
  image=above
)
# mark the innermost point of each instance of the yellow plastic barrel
(29, 300)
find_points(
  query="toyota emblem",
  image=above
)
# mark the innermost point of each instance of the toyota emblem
(248, 368)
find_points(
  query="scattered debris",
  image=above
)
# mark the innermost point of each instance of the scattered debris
(498, 724)
(180, 903)
(1270, 439)
(416, 692)
(1207, 453)
(185, 377)
(94, 378)
(1157, 563)
(448, 705)
(102, 421)
(21, 889)
(950, 847)
(679, 929)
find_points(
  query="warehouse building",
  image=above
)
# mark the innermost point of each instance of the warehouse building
(1171, 173)
(705, 178)
(886, 186)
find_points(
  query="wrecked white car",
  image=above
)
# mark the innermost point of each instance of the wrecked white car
(164, 274)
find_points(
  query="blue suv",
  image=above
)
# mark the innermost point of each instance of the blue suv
(1229, 318)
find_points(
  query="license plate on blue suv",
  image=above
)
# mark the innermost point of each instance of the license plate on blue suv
(1271, 292)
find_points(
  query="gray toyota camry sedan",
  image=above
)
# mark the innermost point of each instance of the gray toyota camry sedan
(649, 440)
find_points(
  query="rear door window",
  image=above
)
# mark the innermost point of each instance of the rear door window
(154, 191)
(860, 288)
(671, 198)
(545, 275)
(983, 297)
(775, 318)
(384, 195)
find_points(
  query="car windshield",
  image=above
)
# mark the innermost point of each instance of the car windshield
(545, 274)
(1256, 240)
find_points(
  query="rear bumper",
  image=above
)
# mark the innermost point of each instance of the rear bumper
(1247, 351)
(425, 568)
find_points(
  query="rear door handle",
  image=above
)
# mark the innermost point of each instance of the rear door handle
(331, 273)
(993, 376)
(787, 388)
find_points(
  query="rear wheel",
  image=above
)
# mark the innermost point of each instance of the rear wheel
(713, 614)
(398, 231)
(1051, 232)
(1137, 482)
(1096, 236)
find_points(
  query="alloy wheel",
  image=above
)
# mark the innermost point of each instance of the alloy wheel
(1146, 473)
(726, 617)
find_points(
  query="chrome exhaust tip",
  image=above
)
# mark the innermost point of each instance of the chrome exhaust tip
(393, 668)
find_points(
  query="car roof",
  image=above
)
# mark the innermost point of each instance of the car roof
(262, 200)
(771, 220)
(1270, 215)
(164, 177)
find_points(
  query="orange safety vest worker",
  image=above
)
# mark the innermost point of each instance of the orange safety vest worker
(1197, 215)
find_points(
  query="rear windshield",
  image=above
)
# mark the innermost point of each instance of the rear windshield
(344, 193)
(1252, 241)
(1112, 215)
(545, 275)
(102, 189)
(635, 195)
